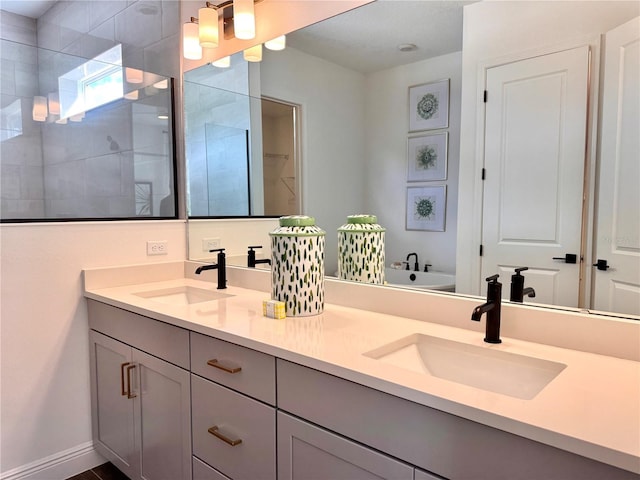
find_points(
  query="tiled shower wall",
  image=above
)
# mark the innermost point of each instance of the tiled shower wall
(21, 168)
(48, 170)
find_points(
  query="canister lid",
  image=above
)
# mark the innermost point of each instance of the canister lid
(361, 219)
(297, 221)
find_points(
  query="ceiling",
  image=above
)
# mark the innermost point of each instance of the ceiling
(27, 8)
(366, 39)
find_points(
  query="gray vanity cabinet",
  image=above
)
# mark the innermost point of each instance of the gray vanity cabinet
(140, 403)
(233, 392)
(307, 452)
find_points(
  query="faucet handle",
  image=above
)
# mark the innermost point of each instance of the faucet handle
(493, 278)
(521, 269)
(251, 247)
(216, 250)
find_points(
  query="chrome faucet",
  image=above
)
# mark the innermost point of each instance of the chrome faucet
(251, 257)
(221, 266)
(416, 267)
(492, 309)
(518, 291)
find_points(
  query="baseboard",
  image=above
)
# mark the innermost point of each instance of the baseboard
(59, 466)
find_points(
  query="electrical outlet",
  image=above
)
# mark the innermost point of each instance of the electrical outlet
(157, 247)
(209, 244)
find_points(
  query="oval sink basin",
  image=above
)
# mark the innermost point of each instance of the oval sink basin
(183, 295)
(487, 368)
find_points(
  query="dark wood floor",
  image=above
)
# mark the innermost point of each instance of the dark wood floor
(106, 471)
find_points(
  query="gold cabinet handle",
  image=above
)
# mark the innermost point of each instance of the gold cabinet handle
(215, 363)
(129, 394)
(123, 392)
(215, 431)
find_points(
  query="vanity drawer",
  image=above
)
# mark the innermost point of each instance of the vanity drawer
(218, 360)
(202, 471)
(218, 410)
(160, 339)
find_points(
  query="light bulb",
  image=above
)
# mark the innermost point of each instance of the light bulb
(253, 54)
(208, 27)
(191, 48)
(244, 20)
(224, 62)
(40, 110)
(133, 75)
(278, 43)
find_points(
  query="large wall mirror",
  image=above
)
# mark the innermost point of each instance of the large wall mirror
(351, 86)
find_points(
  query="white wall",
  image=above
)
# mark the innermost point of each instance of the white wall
(44, 362)
(494, 31)
(386, 159)
(333, 135)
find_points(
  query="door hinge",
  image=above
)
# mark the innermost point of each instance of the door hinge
(484, 173)
(481, 249)
(484, 97)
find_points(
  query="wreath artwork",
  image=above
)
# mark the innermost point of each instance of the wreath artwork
(426, 208)
(429, 106)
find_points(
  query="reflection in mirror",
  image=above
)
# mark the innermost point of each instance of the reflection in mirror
(241, 150)
(355, 123)
(97, 137)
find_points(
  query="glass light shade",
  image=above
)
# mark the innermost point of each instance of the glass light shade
(133, 75)
(77, 118)
(244, 20)
(54, 103)
(191, 48)
(208, 27)
(224, 62)
(62, 121)
(40, 110)
(162, 84)
(132, 95)
(253, 54)
(278, 43)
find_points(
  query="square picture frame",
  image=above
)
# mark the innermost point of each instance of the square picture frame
(426, 208)
(427, 157)
(429, 106)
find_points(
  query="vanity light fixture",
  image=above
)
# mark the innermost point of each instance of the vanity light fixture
(253, 54)
(278, 43)
(244, 20)
(162, 84)
(132, 95)
(224, 62)
(208, 26)
(40, 110)
(191, 48)
(238, 20)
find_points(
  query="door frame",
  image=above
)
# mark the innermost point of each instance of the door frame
(470, 256)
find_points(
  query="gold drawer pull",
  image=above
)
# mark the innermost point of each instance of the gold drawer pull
(123, 392)
(214, 363)
(215, 431)
(129, 394)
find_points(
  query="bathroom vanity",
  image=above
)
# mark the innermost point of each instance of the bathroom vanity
(193, 382)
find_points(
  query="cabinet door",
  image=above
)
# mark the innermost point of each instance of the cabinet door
(163, 418)
(422, 475)
(113, 411)
(306, 452)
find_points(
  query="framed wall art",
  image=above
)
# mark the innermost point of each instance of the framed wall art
(427, 157)
(429, 106)
(426, 208)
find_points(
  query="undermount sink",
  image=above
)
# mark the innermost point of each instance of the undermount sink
(183, 295)
(486, 368)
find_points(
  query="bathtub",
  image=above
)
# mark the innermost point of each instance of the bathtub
(445, 282)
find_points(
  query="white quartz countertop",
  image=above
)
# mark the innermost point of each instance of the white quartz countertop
(591, 408)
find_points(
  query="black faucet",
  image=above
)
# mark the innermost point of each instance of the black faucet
(251, 257)
(426, 267)
(492, 309)
(416, 267)
(517, 287)
(221, 266)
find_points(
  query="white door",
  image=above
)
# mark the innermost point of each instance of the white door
(536, 117)
(617, 241)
